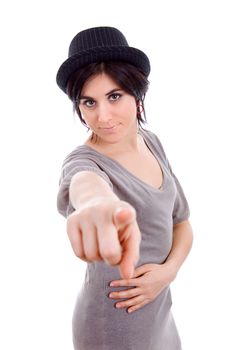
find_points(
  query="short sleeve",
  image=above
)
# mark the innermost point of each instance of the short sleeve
(181, 209)
(71, 166)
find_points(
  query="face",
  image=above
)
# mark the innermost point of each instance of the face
(108, 110)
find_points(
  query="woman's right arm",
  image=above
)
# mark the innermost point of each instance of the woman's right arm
(102, 227)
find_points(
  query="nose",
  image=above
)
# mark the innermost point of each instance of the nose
(104, 112)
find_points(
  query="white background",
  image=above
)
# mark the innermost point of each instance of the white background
(189, 106)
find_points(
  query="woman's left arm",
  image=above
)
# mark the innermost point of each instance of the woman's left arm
(181, 246)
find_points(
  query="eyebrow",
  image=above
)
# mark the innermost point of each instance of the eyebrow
(107, 94)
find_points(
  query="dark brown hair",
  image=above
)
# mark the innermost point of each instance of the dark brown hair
(127, 76)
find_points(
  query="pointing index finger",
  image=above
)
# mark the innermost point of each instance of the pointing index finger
(130, 253)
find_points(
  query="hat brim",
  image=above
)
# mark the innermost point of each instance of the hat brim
(114, 53)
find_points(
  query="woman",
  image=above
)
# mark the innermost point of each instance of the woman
(127, 215)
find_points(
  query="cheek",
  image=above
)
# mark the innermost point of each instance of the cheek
(85, 115)
(129, 110)
(132, 112)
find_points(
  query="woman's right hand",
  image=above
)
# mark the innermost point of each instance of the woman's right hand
(106, 229)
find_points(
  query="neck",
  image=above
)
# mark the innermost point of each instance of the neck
(129, 144)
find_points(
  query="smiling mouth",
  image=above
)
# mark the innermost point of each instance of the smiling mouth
(109, 128)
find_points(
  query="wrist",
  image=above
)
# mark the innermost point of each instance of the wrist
(98, 200)
(172, 268)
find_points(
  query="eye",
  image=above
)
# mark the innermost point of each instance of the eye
(114, 97)
(89, 103)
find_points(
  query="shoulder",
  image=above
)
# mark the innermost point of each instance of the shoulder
(81, 151)
(79, 157)
(154, 140)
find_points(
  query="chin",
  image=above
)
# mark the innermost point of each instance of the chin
(111, 139)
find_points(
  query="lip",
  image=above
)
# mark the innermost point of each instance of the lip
(110, 127)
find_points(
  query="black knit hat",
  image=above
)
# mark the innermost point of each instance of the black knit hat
(99, 44)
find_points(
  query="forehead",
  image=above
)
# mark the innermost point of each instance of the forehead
(100, 82)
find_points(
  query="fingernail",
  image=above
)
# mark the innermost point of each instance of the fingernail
(119, 209)
(112, 284)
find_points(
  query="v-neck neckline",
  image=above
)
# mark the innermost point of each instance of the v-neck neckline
(151, 149)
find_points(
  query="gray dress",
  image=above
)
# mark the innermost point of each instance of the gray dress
(97, 324)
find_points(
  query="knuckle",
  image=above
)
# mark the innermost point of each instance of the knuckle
(83, 215)
(72, 224)
(143, 284)
(109, 254)
(131, 293)
(69, 223)
(92, 256)
(79, 252)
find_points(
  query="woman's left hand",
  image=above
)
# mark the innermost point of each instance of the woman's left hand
(148, 281)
